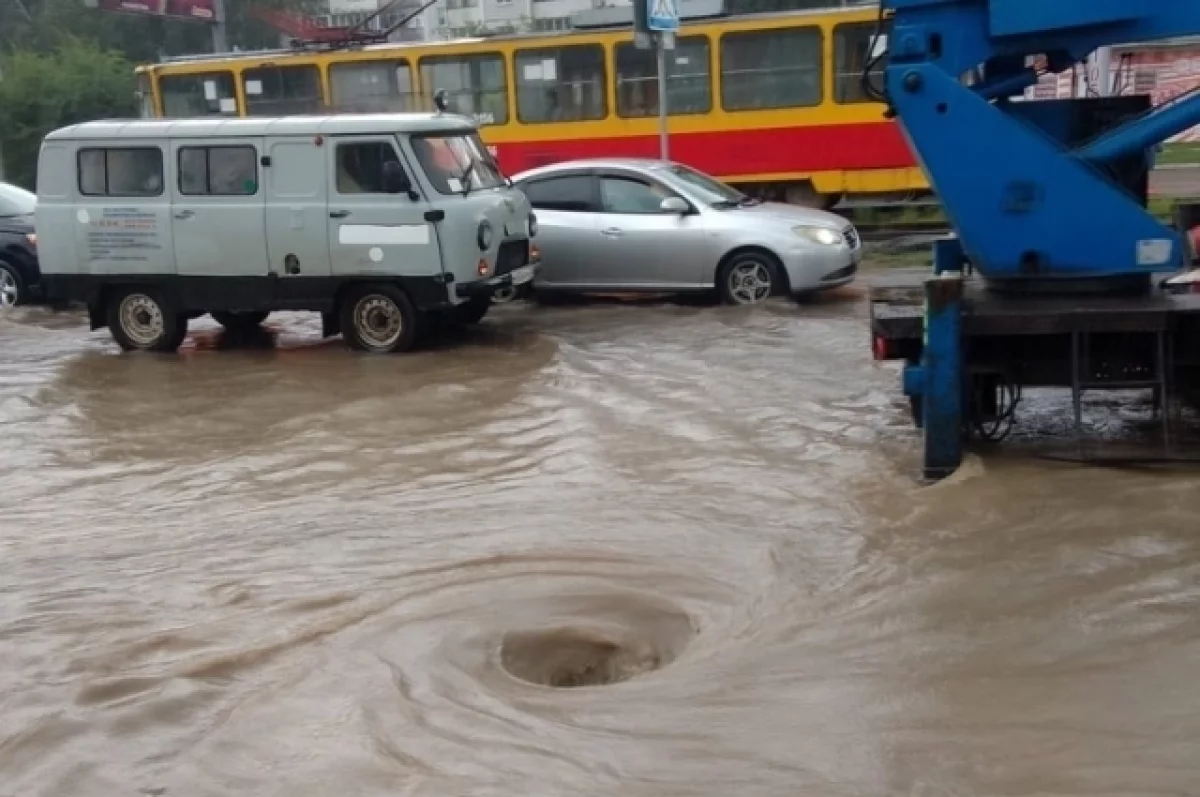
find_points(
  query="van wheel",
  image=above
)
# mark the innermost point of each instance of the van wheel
(139, 320)
(379, 319)
(473, 311)
(235, 322)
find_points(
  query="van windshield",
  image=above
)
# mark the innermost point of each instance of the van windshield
(457, 163)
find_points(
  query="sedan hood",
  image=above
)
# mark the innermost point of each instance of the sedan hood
(794, 214)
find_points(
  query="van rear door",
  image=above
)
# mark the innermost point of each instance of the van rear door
(217, 222)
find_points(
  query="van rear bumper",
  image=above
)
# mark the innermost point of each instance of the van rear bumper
(523, 275)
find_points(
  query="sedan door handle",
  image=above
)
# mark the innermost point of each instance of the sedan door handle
(612, 232)
(184, 214)
(338, 214)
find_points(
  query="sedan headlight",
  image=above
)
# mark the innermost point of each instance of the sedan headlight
(819, 235)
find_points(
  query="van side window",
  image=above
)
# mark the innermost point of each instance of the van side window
(121, 171)
(360, 166)
(218, 171)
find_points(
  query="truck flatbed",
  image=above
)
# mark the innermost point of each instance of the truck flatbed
(898, 312)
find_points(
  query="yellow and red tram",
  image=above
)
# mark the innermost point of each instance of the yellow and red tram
(772, 103)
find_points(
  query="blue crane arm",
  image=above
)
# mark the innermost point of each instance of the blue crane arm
(1026, 201)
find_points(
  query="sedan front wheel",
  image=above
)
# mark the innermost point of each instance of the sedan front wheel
(748, 278)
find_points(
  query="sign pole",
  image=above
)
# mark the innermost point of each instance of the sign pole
(1, 144)
(664, 152)
(662, 20)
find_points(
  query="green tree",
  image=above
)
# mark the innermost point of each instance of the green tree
(76, 81)
(61, 63)
(41, 25)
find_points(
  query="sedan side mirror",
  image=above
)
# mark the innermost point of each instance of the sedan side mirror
(674, 204)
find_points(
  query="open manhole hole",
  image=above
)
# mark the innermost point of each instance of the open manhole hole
(573, 657)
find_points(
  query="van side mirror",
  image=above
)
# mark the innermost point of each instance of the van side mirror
(674, 204)
(395, 179)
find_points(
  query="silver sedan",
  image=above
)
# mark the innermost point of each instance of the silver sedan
(646, 225)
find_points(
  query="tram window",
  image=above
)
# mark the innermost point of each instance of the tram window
(282, 90)
(851, 52)
(373, 87)
(205, 94)
(689, 84)
(475, 85)
(561, 84)
(145, 97)
(766, 69)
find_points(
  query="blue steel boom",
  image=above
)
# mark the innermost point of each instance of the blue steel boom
(1025, 205)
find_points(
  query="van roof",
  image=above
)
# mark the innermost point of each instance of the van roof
(263, 126)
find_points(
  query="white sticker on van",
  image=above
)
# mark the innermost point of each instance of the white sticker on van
(228, 105)
(383, 234)
(254, 87)
(210, 90)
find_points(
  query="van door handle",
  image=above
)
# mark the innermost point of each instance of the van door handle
(184, 214)
(612, 232)
(338, 214)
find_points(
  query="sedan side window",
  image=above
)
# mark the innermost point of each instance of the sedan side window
(628, 195)
(570, 193)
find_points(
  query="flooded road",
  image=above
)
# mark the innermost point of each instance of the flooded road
(296, 571)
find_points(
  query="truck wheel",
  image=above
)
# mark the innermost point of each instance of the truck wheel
(473, 311)
(235, 322)
(139, 320)
(379, 319)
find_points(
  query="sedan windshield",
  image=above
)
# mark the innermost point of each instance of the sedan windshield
(457, 164)
(16, 201)
(711, 191)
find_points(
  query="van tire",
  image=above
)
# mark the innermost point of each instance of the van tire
(379, 319)
(139, 320)
(236, 322)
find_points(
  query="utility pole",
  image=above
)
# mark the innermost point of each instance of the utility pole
(219, 31)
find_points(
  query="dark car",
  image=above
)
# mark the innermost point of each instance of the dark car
(20, 277)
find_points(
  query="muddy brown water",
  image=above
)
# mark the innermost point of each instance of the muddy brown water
(291, 570)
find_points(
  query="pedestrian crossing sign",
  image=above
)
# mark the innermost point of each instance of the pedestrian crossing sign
(662, 15)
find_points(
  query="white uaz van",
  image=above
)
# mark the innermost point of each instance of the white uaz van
(375, 221)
